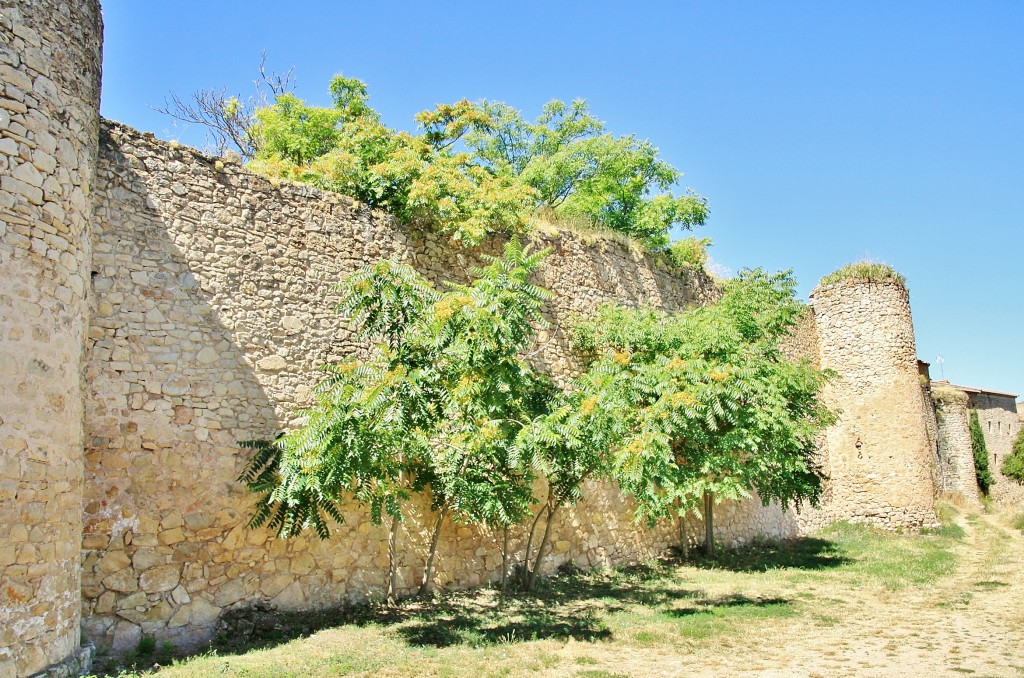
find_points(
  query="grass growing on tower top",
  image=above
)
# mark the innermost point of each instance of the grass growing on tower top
(867, 271)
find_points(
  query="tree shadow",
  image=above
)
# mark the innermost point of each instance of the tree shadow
(569, 605)
(805, 553)
(706, 605)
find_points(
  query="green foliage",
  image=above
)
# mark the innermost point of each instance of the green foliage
(689, 252)
(477, 167)
(580, 170)
(346, 148)
(146, 646)
(868, 271)
(437, 404)
(949, 526)
(980, 449)
(1013, 465)
(676, 405)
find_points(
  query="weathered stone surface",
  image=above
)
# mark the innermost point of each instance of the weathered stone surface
(274, 363)
(215, 321)
(211, 290)
(879, 458)
(126, 636)
(49, 67)
(160, 579)
(1000, 424)
(956, 458)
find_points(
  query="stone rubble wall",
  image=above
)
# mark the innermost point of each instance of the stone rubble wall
(878, 456)
(956, 458)
(49, 117)
(1000, 424)
(212, 313)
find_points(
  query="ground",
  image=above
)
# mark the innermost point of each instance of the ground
(849, 601)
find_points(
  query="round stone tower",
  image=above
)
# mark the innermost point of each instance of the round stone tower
(49, 131)
(956, 456)
(878, 455)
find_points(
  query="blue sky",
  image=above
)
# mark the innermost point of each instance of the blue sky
(820, 132)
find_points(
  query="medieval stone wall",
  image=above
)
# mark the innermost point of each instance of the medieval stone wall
(204, 319)
(212, 312)
(878, 456)
(1000, 424)
(49, 112)
(956, 457)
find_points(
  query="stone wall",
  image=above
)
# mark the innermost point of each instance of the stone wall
(956, 458)
(49, 103)
(212, 312)
(1000, 424)
(878, 456)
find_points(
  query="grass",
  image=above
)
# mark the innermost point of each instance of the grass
(867, 271)
(576, 621)
(945, 394)
(949, 527)
(1018, 522)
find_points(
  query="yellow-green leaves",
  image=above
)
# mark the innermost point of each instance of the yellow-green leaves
(477, 168)
(436, 404)
(673, 405)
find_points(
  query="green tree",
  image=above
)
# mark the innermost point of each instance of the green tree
(436, 405)
(980, 449)
(476, 168)
(580, 170)
(418, 178)
(1013, 465)
(701, 403)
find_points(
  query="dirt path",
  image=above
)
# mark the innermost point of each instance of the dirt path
(971, 622)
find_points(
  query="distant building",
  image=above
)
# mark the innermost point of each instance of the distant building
(1001, 420)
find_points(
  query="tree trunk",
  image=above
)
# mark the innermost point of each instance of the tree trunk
(392, 562)
(428, 569)
(504, 560)
(531, 583)
(709, 524)
(684, 541)
(527, 559)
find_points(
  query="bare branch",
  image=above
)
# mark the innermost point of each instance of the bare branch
(229, 119)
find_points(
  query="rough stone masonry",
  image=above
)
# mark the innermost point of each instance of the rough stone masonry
(158, 305)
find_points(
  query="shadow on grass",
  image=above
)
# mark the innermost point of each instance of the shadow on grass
(807, 553)
(707, 605)
(565, 606)
(568, 605)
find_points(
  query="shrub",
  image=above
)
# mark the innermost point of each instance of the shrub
(1013, 465)
(945, 394)
(867, 271)
(980, 449)
(689, 252)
